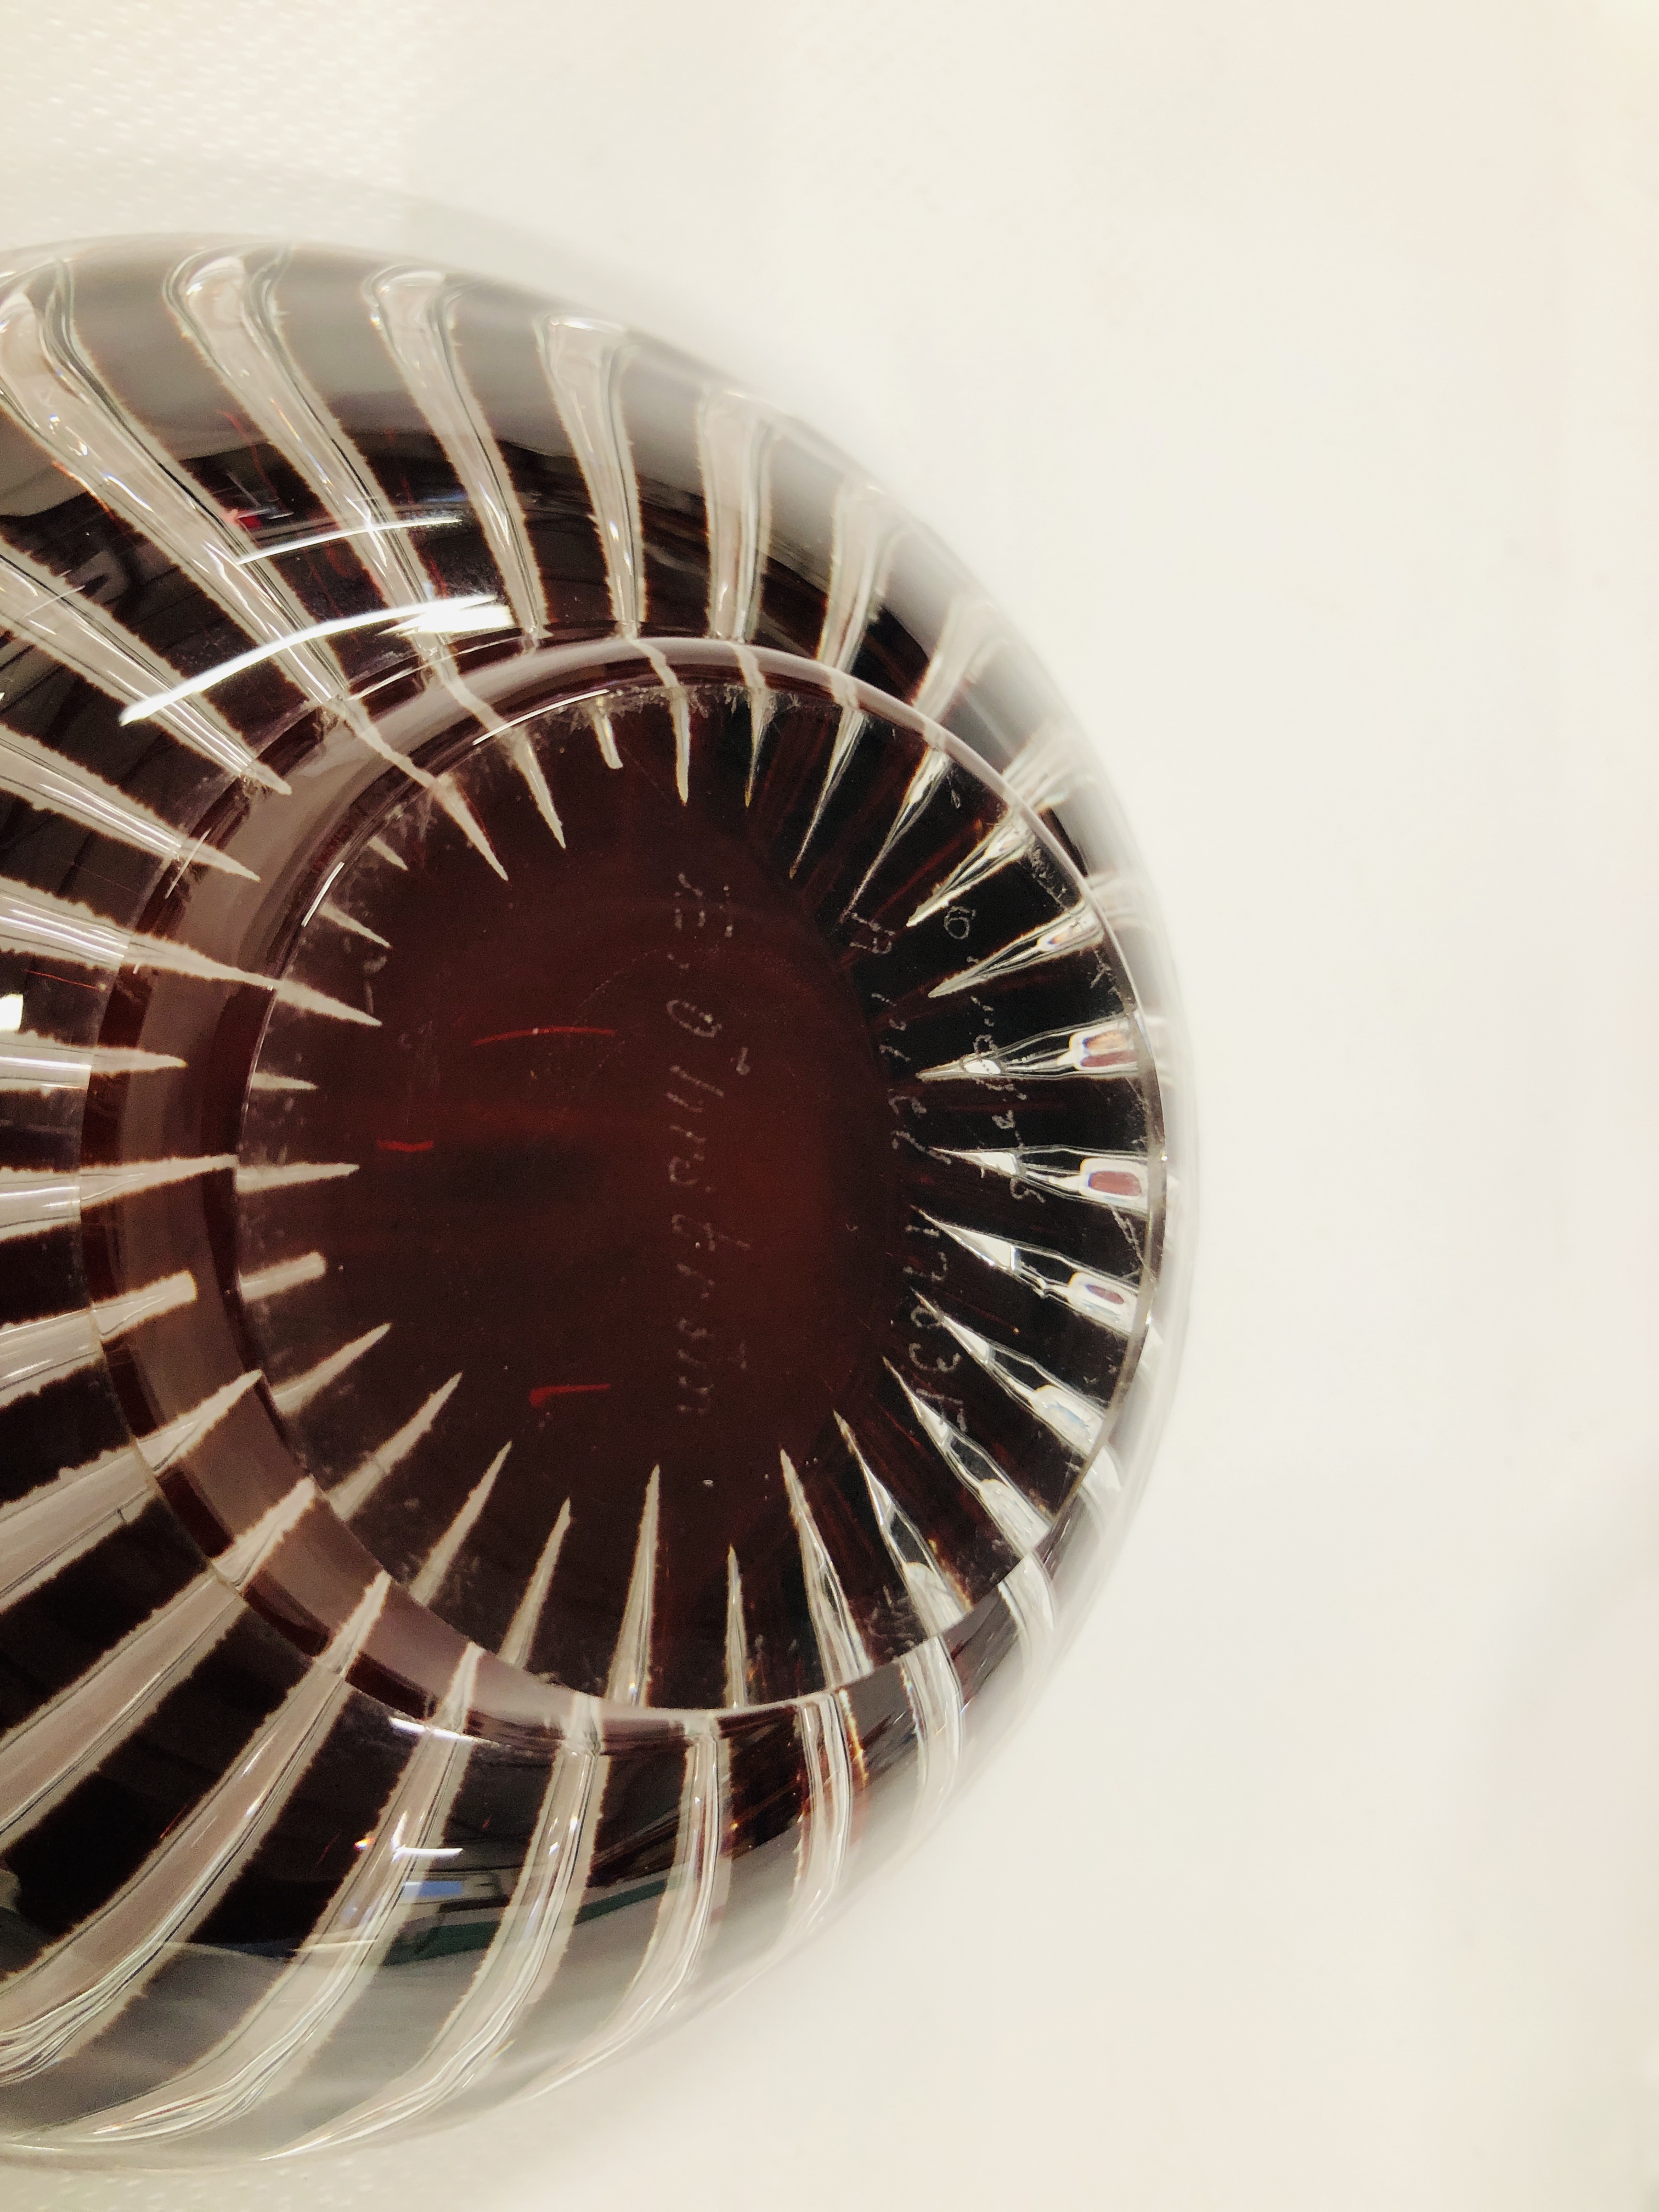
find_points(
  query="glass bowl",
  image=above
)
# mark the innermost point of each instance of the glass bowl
(589, 1217)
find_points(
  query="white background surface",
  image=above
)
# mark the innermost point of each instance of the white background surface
(1290, 371)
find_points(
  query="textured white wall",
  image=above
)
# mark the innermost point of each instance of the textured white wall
(1290, 371)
